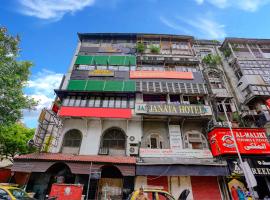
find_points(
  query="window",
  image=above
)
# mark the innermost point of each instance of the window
(114, 138)
(186, 100)
(155, 141)
(66, 101)
(227, 105)
(195, 140)
(4, 195)
(154, 98)
(72, 142)
(71, 101)
(175, 98)
(72, 138)
(97, 102)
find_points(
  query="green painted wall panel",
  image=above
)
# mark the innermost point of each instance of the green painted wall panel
(77, 85)
(129, 86)
(95, 85)
(105, 60)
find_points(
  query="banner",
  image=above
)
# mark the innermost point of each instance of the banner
(161, 74)
(249, 141)
(183, 153)
(175, 137)
(172, 109)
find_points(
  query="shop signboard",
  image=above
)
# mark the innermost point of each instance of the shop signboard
(182, 153)
(172, 109)
(249, 141)
(161, 74)
(175, 137)
(101, 72)
(259, 167)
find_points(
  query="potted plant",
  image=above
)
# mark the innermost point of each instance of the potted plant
(154, 49)
(140, 47)
(235, 120)
(212, 60)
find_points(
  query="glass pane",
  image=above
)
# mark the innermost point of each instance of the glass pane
(118, 102)
(78, 101)
(111, 102)
(83, 102)
(153, 143)
(105, 102)
(66, 100)
(71, 101)
(91, 102)
(124, 102)
(131, 102)
(97, 102)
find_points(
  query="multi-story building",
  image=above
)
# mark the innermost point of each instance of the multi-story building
(135, 110)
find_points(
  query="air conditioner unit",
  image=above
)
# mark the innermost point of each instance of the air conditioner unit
(134, 150)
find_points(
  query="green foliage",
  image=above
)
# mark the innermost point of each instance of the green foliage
(13, 78)
(140, 48)
(221, 118)
(13, 140)
(227, 52)
(236, 117)
(212, 60)
(154, 49)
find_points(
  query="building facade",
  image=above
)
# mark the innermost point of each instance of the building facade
(148, 110)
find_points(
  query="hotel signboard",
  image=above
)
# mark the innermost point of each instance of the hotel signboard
(249, 141)
(182, 153)
(172, 109)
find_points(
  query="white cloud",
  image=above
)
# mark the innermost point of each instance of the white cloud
(174, 25)
(247, 5)
(52, 9)
(41, 88)
(202, 26)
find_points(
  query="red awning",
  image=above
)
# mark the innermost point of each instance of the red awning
(124, 113)
(77, 158)
(78, 164)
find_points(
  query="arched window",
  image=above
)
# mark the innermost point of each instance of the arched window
(155, 141)
(195, 140)
(72, 141)
(114, 138)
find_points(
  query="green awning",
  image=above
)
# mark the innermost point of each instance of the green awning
(103, 86)
(106, 60)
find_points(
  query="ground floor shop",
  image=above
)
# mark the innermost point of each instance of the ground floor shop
(260, 167)
(203, 182)
(109, 176)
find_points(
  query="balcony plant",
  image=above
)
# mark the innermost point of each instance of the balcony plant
(154, 49)
(235, 120)
(212, 60)
(227, 52)
(140, 47)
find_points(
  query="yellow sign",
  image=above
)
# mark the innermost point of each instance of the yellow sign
(101, 72)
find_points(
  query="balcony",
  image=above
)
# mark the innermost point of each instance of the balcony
(220, 92)
(111, 151)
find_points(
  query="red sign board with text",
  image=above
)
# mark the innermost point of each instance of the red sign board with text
(249, 141)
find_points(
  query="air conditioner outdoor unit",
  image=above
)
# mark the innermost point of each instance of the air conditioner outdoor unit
(134, 150)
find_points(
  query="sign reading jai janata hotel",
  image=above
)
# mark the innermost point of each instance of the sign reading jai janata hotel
(172, 109)
(249, 141)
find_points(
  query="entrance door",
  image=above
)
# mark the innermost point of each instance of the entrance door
(110, 184)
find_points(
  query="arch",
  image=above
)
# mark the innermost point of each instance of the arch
(59, 168)
(195, 140)
(155, 141)
(110, 171)
(72, 141)
(114, 138)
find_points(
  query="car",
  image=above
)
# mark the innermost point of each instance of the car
(158, 194)
(12, 192)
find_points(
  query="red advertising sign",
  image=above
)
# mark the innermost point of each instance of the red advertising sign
(268, 103)
(161, 74)
(249, 141)
(66, 191)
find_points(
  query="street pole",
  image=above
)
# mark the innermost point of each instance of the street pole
(237, 150)
(89, 180)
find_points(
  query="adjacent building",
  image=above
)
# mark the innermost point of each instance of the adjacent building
(149, 110)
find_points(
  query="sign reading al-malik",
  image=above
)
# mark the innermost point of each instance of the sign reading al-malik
(172, 109)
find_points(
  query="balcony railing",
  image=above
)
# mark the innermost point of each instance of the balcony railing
(111, 151)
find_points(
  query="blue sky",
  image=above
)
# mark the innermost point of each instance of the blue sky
(48, 29)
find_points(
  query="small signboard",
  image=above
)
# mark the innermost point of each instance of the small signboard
(101, 72)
